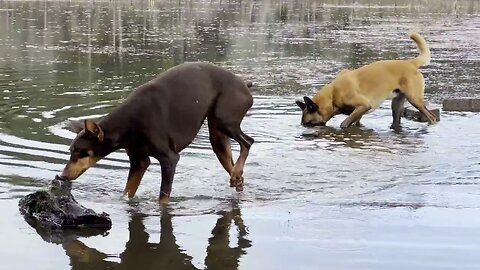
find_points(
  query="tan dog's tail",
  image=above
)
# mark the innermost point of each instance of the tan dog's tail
(424, 57)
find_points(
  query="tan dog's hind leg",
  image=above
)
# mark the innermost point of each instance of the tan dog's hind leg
(361, 106)
(397, 110)
(413, 89)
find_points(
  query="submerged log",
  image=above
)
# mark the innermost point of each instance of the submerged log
(54, 210)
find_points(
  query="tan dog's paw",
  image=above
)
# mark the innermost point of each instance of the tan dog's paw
(432, 120)
(344, 125)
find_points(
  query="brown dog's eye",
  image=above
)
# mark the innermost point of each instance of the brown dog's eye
(80, 153)
(84, 153)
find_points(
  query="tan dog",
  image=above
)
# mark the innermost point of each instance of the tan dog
(359, 91)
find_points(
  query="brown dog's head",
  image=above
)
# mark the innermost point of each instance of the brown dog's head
(86, 149)
(313, 114)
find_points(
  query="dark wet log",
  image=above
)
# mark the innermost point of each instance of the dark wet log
(462, 104)
(412, 113)
(55, 210)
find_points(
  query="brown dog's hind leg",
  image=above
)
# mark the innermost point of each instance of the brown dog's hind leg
(138, 166)
(230, 109)
(168, 164)
(397, 110)
(220, 144)
(236, 177)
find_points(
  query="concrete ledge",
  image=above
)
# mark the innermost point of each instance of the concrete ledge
(412, 113)
(462, 104)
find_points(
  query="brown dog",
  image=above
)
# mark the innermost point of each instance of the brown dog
(359, 91)
(162, 117)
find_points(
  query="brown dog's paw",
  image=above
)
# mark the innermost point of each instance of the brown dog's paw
(164, 200)
(237, 183)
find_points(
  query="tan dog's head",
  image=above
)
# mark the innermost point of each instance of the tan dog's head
(86, 149)
(315, 114)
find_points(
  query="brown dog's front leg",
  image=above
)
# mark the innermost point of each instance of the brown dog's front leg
(168, 164)
(355, 116)
(138, 166)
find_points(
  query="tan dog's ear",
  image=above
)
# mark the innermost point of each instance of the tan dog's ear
(92, 127)
(311, 106)
(301, 105)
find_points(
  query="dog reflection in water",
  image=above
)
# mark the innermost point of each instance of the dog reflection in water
(166, 254)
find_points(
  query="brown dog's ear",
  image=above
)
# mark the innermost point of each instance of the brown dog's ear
(311, 106)
(75, 126)
(301, 105)
(94, 128)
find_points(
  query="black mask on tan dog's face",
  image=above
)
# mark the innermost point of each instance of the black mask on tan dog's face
(311, 116)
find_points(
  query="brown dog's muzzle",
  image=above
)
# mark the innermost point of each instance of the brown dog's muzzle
(74, 169)
(70, 172)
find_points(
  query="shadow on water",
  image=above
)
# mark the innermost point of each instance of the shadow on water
(165, 253)
(353, 137)
(363, 137)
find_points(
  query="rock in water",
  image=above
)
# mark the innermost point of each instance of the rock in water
(462, 104)
(412, 113)
(56, 209)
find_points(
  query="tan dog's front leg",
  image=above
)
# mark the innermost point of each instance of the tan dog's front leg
(355, 115)
(357, 122)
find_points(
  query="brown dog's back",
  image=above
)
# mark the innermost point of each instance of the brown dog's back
(174, 105)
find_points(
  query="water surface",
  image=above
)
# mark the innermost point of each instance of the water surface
(364, 198)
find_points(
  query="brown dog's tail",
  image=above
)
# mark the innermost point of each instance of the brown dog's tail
(424, 57)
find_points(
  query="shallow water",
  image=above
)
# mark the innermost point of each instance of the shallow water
(364, 198)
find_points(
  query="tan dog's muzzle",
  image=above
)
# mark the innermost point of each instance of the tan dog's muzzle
(310, 124)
